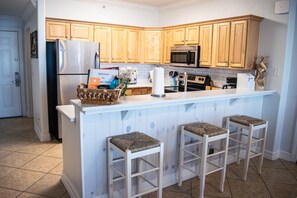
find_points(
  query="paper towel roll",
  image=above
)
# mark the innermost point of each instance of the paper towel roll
(158, 81)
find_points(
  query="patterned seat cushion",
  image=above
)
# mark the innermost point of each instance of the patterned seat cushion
(201, 128)
(134, 142)
(246, 120)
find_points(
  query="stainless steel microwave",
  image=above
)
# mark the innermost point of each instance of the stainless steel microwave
(185, 56)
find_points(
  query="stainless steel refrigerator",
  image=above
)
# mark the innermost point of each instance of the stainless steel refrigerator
(68, 62)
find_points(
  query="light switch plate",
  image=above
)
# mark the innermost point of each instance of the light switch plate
(281, 7)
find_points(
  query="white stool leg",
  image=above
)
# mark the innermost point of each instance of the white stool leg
(109, 169)
(203, 165)
(160, 182)
(181, 156)
(239, 145)
(247, 155)
(138, 177)
(262, 148)
(223, 172)
(128, 174)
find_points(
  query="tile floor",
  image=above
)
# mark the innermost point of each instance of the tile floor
(31, 169)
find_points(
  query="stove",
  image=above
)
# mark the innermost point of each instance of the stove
(189, 82)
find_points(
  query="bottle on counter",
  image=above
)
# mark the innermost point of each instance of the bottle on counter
(114, 83)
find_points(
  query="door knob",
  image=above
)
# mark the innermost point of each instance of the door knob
(16, 59)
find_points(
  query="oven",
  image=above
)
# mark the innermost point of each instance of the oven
(189, 82)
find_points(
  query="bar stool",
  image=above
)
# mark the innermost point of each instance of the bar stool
(249, 124)
(202, 134)
(132, 146)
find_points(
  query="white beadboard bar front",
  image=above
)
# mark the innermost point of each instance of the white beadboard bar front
(84, 157)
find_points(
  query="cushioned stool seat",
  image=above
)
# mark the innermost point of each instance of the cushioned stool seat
(132, 146)
(246, 126)
(201, 134)
(134, 142)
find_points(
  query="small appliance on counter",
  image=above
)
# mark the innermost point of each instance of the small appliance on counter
(173, 78)
(245, 81)
(231, 83)
(158, 82)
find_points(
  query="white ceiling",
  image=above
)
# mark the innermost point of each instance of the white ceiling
(154, 3)
(17, 7)
(13, 7)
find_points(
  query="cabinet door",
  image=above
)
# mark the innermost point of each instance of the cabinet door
(152, 46)
(168, 42)
(118, 47)
(103, 36)
(221, 44)
(238, 43)
(82, 32)
(57, 30)
(133, 53)
(179, 36)
(192, 35)
(205, 42)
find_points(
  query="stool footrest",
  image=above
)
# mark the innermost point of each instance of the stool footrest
(192, 144)
(215, 170)
(189, 169)
(144, 172)
(214, 154)
(191, 160)
(148, 182)
(191, 153)
(145, 192)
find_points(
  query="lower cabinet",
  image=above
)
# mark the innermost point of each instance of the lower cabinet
(138, 91)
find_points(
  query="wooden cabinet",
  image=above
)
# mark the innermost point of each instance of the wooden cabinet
(221, 44)
(238, 44)
(168, 43)
(186, 36)
(152, 46)
(205, 42)
(138, 91)
(103, 36)
(118, 45)
(82, 32)
(133, 45)
(57, 30)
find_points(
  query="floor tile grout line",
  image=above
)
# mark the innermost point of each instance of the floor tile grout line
(289, 170)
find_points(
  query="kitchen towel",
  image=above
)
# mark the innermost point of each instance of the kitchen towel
(158, 81)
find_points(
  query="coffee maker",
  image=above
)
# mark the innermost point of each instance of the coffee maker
(231, 83)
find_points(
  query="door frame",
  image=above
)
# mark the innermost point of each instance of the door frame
(21, 63)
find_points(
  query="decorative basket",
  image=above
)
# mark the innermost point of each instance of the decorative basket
(99, 96)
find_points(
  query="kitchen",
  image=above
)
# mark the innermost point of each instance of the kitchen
(271, 23)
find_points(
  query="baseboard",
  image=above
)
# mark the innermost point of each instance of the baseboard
(42, 137)
(69, 187)
(285, 155)
(279, 154)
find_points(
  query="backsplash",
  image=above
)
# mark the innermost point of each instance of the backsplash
(217, 75)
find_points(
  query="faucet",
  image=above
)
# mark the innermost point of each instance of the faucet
(185, 81)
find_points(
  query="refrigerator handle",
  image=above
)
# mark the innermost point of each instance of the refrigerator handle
(61, 52)
(97, 56)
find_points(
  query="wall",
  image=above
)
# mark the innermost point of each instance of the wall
(88, 10)
(289, 114)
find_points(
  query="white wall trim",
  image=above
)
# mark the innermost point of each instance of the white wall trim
(28, 11)
(69, 186)
(42, 137)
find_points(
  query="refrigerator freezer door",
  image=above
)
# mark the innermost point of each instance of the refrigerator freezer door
(67, 85)
(76, 57)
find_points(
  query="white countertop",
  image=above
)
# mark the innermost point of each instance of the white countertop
(68, 111)
(147, 101)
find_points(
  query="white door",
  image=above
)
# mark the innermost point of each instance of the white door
(10, 91)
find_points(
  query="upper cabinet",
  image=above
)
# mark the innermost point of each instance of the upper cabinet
(205, 42)
(221, 44)
(238, 44)
(224, 43)
(82, 32)
(186, 36)
(57, 30)
(168, 43)
(118, 45)
(133, 45)
(152, 46)
(103, 36)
